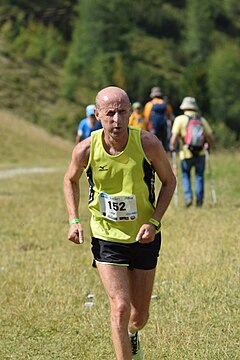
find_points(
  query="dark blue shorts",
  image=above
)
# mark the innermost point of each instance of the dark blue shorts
(134, 255)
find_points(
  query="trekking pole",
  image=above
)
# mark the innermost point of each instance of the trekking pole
(174, 167)
(213, 191)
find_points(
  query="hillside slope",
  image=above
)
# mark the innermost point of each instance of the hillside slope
(26, 144)
(33, 91)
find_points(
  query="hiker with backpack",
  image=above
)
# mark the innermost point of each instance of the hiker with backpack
(136, 118)
(195, 134)
(156, 115)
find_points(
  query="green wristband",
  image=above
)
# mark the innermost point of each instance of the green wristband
(156, 223)
(74, 221)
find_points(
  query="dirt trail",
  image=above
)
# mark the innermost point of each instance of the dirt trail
(19, 171)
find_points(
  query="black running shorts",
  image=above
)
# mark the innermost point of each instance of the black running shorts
(134, 255)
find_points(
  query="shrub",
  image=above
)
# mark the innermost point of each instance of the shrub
(224, 137)
(38, 43)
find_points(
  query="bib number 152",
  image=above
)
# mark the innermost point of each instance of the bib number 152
(113, 205)
(118, 208)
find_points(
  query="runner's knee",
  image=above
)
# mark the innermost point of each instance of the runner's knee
(139, 319)
(120, 310)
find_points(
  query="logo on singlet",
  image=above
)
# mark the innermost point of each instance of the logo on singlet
(102, 168)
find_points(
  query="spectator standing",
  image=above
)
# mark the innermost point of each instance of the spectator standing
(190, 158)
(87, 125)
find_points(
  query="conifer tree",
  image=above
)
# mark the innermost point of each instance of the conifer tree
(197, 46)
(100, 40)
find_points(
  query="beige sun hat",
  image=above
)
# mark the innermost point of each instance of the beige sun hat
(189, 103)
(155, 92)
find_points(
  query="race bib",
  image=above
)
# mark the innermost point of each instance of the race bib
(118, 208)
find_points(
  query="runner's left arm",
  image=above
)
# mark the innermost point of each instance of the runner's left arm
(157, 156)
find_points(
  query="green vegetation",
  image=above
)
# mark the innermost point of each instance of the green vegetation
(33, 92)
(45, 279)
(55, 57)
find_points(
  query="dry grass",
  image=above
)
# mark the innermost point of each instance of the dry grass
(45, 280)
(25, 144)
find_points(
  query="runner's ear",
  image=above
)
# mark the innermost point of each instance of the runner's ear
(96, 112)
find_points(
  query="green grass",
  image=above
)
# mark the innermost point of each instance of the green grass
(45, 279)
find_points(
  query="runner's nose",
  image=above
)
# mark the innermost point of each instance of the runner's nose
(116, 118)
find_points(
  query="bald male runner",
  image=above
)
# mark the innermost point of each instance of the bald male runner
(120, 162)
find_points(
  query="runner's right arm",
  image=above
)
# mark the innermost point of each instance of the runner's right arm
(80, 156)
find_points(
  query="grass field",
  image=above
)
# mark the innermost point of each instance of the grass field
(45, 279)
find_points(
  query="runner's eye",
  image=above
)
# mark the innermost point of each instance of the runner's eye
(110, 113)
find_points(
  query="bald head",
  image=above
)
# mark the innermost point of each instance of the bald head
(111, 94)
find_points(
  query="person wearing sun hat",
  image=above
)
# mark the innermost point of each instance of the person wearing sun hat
(136, 118)
(87, 125)
(188, 160)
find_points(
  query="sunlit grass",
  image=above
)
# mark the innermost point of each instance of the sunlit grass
(45, 279)
(23, 144)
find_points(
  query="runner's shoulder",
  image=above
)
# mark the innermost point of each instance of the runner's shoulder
(151, 144)
(81, 151)
(148, 138)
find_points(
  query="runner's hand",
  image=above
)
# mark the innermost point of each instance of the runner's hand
(146, 233)
(75, 234)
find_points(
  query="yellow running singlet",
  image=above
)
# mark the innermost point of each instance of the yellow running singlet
(121, 189)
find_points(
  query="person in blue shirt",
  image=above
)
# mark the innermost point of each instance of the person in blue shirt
(87, 125)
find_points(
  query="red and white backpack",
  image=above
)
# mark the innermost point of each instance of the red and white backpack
(195, 138)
